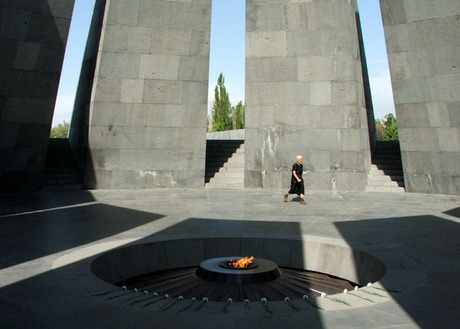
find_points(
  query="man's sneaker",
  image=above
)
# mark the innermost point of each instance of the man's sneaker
(286, 197)
(302, 201)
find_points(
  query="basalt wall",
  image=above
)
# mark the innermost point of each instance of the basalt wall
(305, 95)
(147, 115)
(423, 44)
(33, 35)
(140, 118)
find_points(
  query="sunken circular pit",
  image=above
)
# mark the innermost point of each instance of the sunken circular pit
(192, 268)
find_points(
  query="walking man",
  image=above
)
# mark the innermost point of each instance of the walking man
(297, 186)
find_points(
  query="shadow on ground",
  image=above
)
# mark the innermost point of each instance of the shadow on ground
(59, 297)
(434, 244)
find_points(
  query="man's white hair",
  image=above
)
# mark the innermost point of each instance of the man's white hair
(298, 157)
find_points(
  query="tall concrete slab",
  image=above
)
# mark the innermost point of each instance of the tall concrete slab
(147, 125)
(79, 125)
(305, 95)
(33, 35)
(423, 44)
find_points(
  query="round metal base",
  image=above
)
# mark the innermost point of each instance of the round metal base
(263, 270)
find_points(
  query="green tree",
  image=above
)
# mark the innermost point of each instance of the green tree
(222, 119)
(380, 130)
(391, 127)
(60, 131)
(238, 116)
(387, 129)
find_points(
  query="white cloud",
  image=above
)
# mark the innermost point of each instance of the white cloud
(63, 109)
(382, 95)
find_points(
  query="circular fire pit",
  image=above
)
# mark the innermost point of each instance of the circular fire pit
(217, 279)
(222, 270)
(306, 268)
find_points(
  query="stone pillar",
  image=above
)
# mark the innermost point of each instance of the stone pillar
(148, 108)
(33, 35)
(79, 126)
(304, 95)
(423, 44)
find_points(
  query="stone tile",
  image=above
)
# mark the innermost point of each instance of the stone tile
(258, 223)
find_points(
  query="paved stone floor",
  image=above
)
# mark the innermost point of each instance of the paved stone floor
(48, 241)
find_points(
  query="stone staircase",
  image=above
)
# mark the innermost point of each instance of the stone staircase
(61, 171)
(386, 174)
(224, 164)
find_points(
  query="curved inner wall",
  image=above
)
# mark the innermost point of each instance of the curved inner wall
(340, 261)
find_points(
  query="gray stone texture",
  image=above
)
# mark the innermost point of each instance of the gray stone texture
(423, 44)
(140, 111)
(79, 127)
(33, 35)
(335, 259)
(114, 234)
(305, 95)
(147, 125)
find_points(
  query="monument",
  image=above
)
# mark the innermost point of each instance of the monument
(140, 113)
(305, 95)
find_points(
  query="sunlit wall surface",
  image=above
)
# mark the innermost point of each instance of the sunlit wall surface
(423, 51)
(305, 95)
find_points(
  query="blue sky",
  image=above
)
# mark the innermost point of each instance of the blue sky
(227, 54)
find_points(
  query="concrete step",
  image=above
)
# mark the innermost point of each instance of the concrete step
(230, 172)
(61, 181)
(227, 172)
(224, 185)
(386, 159)
(62, 178)
(383, 183)
(231, 169)
(385, 189)
(386, 167)
(386, 145)
(218, 155)
(393, 173)
(225, 180)
(385, 175)
(63, 187)
(60, 170)
(235, 163)
(61, 173)
(390, 172)
(230, 175)
(384, 178)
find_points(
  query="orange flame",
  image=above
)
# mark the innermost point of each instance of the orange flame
(243, 262)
